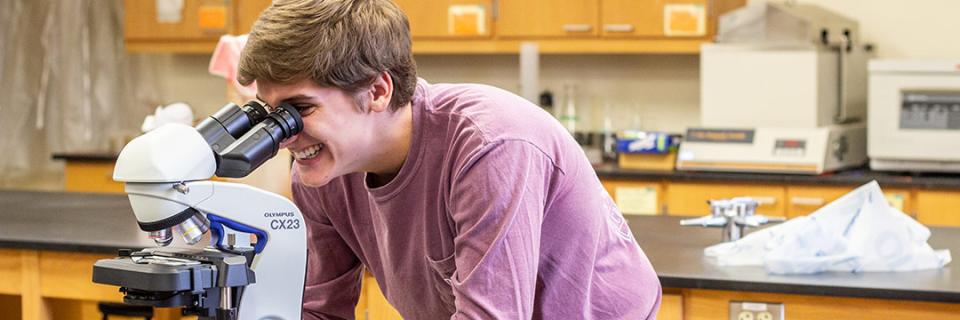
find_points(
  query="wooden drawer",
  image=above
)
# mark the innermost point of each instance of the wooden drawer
(636, 196)
(938, 207)
(690, 199)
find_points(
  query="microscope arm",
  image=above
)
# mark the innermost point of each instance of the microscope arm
(281, 265)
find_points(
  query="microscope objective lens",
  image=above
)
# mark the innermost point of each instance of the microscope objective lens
(161, 237)
(193, 229)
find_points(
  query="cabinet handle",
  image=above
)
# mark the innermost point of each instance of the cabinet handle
(618, 27)
(764, 200)
(805, 201)
(577, 27)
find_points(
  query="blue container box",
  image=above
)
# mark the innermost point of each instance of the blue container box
(644, 142)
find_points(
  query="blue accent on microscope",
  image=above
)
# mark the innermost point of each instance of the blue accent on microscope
(216, 231)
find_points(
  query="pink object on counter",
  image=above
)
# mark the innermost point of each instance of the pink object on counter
(225, 60)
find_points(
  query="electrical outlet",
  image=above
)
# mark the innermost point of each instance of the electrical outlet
(750, 310)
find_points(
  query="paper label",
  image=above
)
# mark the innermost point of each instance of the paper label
(895, 200)
(169, 11)
(637, 200)
(684, 20)
(466, 20)
(212, 17)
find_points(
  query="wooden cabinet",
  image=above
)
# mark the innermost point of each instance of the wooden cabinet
(690, 198)
(448, 18)
(615, 18)
(463, 26)
(196, 27)
(662, 18)
(803, 200)
(90, 176)
(938, 207)
(715, 304)
(547, 18)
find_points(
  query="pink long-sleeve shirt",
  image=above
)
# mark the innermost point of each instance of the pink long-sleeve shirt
(496, 213)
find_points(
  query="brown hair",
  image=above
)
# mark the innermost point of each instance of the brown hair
(336, 43)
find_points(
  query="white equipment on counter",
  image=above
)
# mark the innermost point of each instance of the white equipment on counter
(914, 115)
(783, 90)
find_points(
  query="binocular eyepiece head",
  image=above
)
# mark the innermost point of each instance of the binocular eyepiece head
(243, 138)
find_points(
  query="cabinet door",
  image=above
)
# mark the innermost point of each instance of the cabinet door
(938, 207)
(448, 18)
(635, 196)
(631, 18)
(197, 20)
(247, 13)
(547, 18)
(690, 199)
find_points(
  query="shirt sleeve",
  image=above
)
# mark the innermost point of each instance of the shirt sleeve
(332, 286)
(497, 204)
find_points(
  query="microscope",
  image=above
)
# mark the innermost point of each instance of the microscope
(255, 265)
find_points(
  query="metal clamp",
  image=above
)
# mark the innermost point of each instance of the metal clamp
(733, 215)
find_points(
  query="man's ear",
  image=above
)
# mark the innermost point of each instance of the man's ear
(381, 92)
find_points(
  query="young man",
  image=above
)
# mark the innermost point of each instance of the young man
(464, 201)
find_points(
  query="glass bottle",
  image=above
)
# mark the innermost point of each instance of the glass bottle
(568, 114)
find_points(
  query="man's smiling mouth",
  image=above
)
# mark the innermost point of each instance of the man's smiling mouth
(308, 152)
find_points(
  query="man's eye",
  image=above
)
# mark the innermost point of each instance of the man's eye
(305, 110)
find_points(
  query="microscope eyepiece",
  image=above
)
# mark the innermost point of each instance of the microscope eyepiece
(260, 143)
(230, 123)
(289, 120)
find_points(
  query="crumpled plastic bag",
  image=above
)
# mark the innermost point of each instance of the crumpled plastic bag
(859, 232)
(173, 113)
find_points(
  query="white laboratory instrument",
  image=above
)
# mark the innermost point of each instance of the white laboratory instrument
(914, 121)
(166, 174)
(782, 90)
